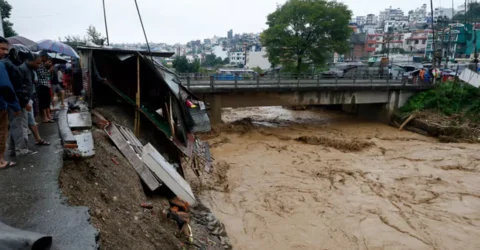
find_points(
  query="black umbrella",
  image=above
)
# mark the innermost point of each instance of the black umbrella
(23, 41)
(23, 52)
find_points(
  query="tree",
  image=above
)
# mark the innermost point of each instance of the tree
(74, 41)
(181, 65)
(95, 36)
(473, 13)
(212, 61)
(258, 70)
(303, 32)
(7, 25)
(226, 60)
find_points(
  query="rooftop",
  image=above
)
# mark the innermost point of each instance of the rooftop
(128, 51)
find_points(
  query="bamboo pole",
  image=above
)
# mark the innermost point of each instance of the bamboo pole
(411, 117)
(137, 113)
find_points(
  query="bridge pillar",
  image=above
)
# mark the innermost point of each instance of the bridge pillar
(215, 108)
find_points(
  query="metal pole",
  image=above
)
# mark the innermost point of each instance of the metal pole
(106, 26)
(433, 34)
(144, 33)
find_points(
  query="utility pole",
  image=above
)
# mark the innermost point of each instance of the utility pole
(475, 44)
(2, 33)
(433, 34)
(449, 42)
(465, 23)
(106, 27)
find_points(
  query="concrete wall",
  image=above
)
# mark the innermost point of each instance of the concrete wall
(378, 103)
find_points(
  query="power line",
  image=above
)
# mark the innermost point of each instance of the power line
(144, 33)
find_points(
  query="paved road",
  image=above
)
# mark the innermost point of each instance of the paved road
(31, 199)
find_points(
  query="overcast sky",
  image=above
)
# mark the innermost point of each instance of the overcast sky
(168, 21)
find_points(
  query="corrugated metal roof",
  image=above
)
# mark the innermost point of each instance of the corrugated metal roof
(128, 51)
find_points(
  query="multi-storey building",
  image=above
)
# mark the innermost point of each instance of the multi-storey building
(442, 12)
(419, 15)
(371, 19)
(237, 57)
(416, 42)
(361, 20)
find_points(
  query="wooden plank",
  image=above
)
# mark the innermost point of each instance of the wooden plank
(132, 157)
(167, 173)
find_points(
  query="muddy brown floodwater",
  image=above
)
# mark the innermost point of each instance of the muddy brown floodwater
(323, 180)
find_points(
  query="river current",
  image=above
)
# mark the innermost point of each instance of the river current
(318, 179)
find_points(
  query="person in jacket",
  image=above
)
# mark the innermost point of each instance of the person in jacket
(17, 145)
(57, 84)
(31, 79)
(427, 77)
(8, 100)
(421, 74)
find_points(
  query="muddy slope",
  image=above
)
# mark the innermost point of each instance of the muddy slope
(308, 185)
(111, 188)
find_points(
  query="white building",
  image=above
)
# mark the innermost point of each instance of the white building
(419, 15)
(219, 51)
(437, 12)
(180, 51)
(237, 57)
(258, 59)
(361, 20)
(391, 14)
(371, 19)
(397, 25)
(416, 42)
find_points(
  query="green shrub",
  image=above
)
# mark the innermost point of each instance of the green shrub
(447, 98)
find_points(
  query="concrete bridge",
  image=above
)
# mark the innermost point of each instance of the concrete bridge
(376, 97)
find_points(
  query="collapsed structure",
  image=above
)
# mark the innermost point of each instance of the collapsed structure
(157, 96)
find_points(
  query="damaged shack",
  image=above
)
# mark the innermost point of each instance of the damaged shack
(157, 97)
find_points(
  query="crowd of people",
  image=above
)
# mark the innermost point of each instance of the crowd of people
(28, 82)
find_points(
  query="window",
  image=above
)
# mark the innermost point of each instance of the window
(376, 46)
(423, 42)
(416, 41)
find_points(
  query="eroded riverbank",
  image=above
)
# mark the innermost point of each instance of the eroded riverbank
(390, 190)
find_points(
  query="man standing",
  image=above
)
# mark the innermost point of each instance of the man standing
(8, 100)
(43, 90)
(17, 144)
(57, 85)
(28, 68)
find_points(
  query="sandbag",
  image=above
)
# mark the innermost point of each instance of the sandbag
(16, 239)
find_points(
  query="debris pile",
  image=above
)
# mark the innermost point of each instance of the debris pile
(75, 123)
(340, 144)
(156, 173)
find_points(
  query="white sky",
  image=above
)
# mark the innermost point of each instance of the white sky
(168, 21)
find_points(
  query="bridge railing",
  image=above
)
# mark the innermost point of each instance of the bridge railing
(357, 78)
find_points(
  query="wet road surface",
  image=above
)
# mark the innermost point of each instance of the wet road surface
(31, 199)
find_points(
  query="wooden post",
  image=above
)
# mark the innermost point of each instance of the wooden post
(137, 113)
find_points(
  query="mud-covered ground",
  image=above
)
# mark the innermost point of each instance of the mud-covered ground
(321, 180)
(111, 188)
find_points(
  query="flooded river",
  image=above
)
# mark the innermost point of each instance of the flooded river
(325, 180)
